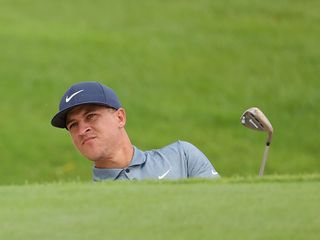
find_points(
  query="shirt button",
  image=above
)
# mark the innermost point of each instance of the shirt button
(127, 170)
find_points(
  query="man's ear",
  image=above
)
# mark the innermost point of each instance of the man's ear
(121, 115)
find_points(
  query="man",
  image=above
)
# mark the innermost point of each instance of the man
(93, 115)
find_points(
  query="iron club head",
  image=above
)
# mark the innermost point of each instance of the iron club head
(255, 119)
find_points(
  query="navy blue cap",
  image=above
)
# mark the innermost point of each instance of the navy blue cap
(84, 93)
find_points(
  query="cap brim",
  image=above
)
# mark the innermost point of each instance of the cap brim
(59, 120)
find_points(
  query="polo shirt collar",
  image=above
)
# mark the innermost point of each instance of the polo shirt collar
(138, 157)
(100, 174)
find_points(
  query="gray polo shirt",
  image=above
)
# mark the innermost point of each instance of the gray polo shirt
(175, 161)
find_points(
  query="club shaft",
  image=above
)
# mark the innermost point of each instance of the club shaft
(264, 160)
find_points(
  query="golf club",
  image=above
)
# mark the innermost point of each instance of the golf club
(255, 119)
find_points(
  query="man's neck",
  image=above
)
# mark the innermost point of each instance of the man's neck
(120, 159)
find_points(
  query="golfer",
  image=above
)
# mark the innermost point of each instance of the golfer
(95, 120)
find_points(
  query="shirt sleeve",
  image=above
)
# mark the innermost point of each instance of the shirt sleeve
(198, 165)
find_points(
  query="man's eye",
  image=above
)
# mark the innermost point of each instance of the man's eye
(91, 116)
(72, 125)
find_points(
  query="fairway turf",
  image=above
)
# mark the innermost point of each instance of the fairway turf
(236, 208)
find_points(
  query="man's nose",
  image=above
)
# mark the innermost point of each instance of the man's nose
(84, 128)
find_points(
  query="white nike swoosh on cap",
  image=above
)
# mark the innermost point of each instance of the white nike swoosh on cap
(165, 174)
(69, 98)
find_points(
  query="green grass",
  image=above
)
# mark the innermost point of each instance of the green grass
(277, 207)
(183, 70)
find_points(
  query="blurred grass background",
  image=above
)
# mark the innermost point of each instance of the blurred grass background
(182, 69)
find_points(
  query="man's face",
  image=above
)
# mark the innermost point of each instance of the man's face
(96, 130)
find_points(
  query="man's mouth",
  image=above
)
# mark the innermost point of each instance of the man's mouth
(87, 139)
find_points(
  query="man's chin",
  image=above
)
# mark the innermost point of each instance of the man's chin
(90, 156)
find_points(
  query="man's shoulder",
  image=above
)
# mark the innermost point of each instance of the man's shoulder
(174, 146)
(178, 150)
